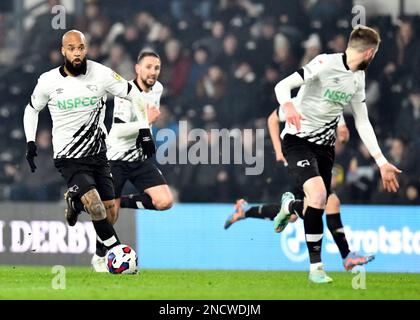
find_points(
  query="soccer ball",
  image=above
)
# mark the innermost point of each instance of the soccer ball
(121, 259)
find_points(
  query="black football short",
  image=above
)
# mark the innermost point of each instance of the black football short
(307, 160)
(142, 174)
(88, 173)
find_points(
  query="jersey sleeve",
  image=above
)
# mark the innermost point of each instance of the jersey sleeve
(360, 95)
(159, 91)
(40, 96)
(313, 68)
(280, 114)
(115, 84)
(122, 111)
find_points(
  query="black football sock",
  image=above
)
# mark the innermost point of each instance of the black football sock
(314, 229)
(265, 211)
(137, 201)
(336, 228)
(100, 248)
(106, 233)
(296, 207)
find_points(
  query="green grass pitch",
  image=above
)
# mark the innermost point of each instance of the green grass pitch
(21, 282)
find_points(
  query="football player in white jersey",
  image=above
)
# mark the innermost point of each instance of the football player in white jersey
(127, 159)
(75, 94)
(332, 208)
(328, 84)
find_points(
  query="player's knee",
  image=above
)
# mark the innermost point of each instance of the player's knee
(293, 218)
(317, 198)
(333, 204)
(163, 203)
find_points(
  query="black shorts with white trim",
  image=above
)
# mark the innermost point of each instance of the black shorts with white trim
(307, 160)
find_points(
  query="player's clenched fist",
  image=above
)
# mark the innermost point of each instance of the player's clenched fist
(31, 154)
(292, 116)
(152, 114)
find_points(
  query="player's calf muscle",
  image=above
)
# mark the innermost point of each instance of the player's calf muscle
(94, 205)
(333, 204)
(111, 211)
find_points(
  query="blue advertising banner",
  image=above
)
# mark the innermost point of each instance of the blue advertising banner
(191, 236)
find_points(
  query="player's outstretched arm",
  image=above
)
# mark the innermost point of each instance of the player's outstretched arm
(273, 123)
(367, 134)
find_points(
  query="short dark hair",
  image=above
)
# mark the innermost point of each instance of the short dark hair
(363, 38)
(144, 54)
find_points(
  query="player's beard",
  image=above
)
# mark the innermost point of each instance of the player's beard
(76, 70)
(364, 64)
(146, 84)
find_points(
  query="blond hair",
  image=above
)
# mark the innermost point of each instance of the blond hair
(363, 38)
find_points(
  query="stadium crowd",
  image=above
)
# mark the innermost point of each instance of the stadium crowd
(220, 63)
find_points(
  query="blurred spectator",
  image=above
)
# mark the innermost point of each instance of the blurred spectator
(210, 178)
(406, 55)
(341, 164)
(407, 124)
(338, 43)
(175, 68)
(264, 44)
(404, 158)
(240, 102)
(220, 62)
(361, 176)
(215, 40)
(94, 51)
(131, 41)
(283, 56)
(42, 185)
(120, 62)
(227, 60)
(411, 195)
(92, 13)
(165, 120)
(35, 42)
(212, 86)
(267, 97)
(313, 47)
(199, 67)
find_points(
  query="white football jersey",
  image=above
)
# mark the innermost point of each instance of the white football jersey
(124, 148)
(329, 86)
(77, 107)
